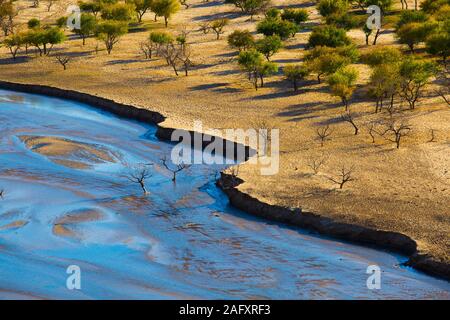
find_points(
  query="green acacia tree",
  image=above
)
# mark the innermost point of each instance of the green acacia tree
(34, 23)
(384, 83)
(93, 7)
(249, 61)
(269, 45)
(409, 16)
(14, 42)
(329, 36)
(88, 25)
(45, 39)
(382, 55)
(297, 16)
(61, 22)
(332, 7)
(385, 5)
(160, 37)
(52, 36)
(141, 7)
(118, 12)
(431, 6)
(250, 7)
(241, 39)
(276, 26)
(415, 74)
(110, 32)
(326, 61)
(165, 8)
(7, 14)
(438, 43)
(266, 69)
(218, 25)
(414, 33)
(252, 62)
(342, 84)
(296, 73)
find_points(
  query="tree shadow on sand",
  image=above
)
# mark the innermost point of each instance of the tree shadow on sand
(218, 15)
(208, 4)
(220, 87)
(307, 110)
(124, 61)
(10, 60)
(298, 5)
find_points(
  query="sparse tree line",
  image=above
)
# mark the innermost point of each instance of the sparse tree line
(131, 10)
(107, 20)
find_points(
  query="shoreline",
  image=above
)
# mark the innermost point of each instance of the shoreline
(392, 241)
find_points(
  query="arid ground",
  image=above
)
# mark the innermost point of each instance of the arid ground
(404, 190)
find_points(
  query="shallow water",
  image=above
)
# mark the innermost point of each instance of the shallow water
(182, 240)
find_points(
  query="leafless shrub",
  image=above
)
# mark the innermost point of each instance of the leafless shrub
(372, 130)
(139, 175)
(350, 118)
(171, 53)
(323, 133)
(178, 168)
(185, 58)
(63, 60)
(177, 56)
(393, 108)
(205, 27)
(395, 131)
(345, 175)
(316, 162)
(147, 48)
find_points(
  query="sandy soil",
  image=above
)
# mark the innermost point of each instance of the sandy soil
(14, 225)
(62, 225)
(405, 190)
(62, 150)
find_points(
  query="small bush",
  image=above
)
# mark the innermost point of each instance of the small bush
(329, 36)
(242, 40)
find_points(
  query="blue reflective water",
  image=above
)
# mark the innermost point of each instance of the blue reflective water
(180, 241)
